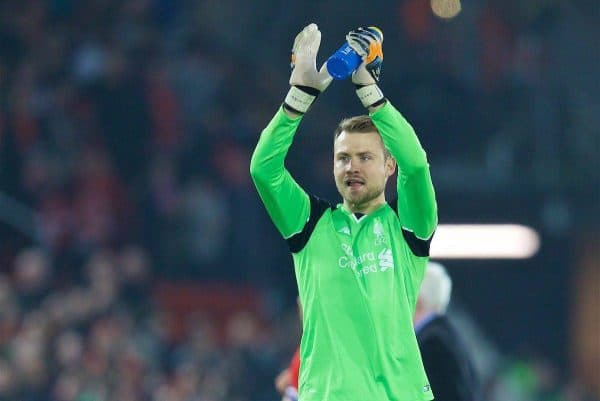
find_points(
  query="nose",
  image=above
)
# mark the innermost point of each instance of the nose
(352, 165)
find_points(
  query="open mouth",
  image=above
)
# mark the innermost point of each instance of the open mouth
(354, 183)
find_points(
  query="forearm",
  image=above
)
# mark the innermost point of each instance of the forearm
(399, 138)
(417, 206)
(285, 201)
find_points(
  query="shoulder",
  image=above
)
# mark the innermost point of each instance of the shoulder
(318, 207)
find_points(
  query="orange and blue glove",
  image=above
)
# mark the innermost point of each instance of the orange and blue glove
(368, 43)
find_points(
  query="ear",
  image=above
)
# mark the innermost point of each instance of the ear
(390, 166)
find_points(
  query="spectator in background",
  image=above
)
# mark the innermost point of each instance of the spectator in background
(449, 369)
(286, 381)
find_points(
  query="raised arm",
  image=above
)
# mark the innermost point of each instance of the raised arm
(285, 201)
(417, 207)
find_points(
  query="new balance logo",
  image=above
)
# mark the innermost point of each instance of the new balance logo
(344, 230)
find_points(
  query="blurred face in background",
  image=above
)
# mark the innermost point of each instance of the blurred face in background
(361, 168)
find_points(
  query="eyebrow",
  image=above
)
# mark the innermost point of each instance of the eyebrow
(342, 153)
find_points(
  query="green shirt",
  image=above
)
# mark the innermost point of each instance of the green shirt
(358, 277)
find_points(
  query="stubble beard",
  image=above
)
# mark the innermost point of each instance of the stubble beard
(361, 201)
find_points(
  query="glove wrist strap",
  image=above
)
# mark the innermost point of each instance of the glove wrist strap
(370, 95)
(299, 100)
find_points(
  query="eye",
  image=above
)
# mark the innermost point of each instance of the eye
(365, 157)
(344, 158)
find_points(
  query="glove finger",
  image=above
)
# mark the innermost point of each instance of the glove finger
(296, 41)
(376, 32)
(366, 37)
(358, 30)
(360, 38)
(298, 44)
(299, 41)
(370, 42)
(359, 46)
(308, 36)
(371, 31)
(313, 42)
(369, 34)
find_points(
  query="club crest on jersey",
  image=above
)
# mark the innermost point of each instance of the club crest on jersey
(378, 232)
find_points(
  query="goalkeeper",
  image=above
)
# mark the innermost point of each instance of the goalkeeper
(358, 264)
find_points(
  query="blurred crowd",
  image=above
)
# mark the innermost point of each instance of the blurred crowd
(133, 121)
(116, 128)
(101, 337)
(126, 128)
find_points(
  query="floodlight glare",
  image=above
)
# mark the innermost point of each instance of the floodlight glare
(484, 241)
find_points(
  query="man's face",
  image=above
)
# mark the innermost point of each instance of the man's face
(361, 169)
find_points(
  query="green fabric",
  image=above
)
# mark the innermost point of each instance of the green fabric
(287, 203)
(416, 198)
(358, 279)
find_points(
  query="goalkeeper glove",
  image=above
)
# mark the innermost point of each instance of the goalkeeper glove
(368, 43)
(307, 82)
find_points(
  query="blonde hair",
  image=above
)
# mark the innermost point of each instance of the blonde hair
(359, 124)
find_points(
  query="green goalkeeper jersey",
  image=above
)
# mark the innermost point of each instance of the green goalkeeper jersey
(358, 276)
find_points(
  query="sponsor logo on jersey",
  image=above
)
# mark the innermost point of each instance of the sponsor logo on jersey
(347, 249)
(367, 262)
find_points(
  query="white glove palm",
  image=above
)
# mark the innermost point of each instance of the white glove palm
(304, 60)
(307, 83)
